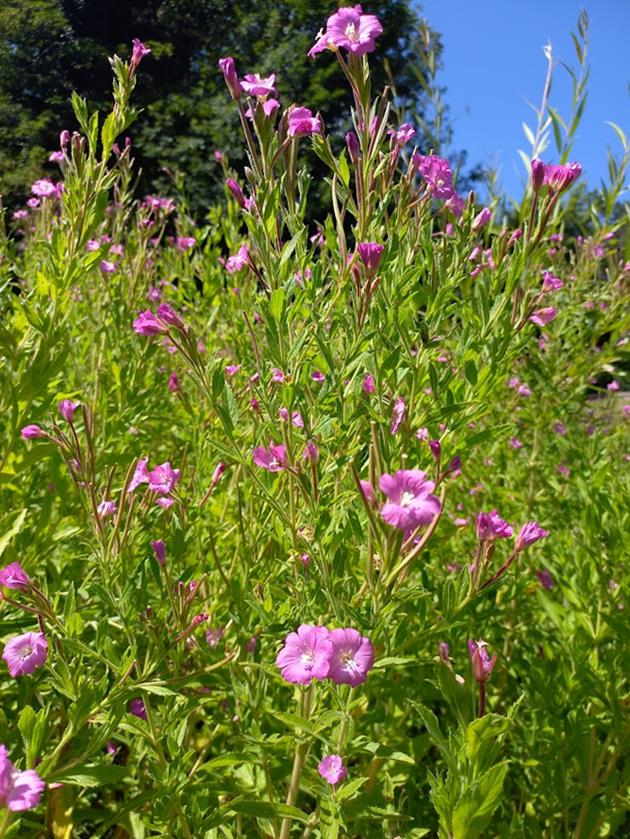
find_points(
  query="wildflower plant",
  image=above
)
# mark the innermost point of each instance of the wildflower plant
(258, 490)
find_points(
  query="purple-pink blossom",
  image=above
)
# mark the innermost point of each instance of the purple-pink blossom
(24, 654)
(352, 657)
(228, 68)
(67, 408)
(437, 174)
(137, 708)
(302, 123)
(18, 790)
(32, 432)
(238, 261)
(159, 550)
(551, 282)
(482, 664)
(530, 532)
(368, 385)
(147, 324)
(398, 414)
(491, 526)
(255, 85)
(163, 478)
(350, 29)
(331, 769)
(410, 503)
(138, 52)
(272, 459)
(541, 317)
(306, 655)
(370, 253)
(106, 508)
(14, 576)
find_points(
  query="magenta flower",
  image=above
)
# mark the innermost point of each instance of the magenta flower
(302, 123)
(185, 243)
(138, 52)
(551, 282)
(136, 707)
(538, 174)
(236, 190)
(331, 769)
(482, 664)
(147, 324)
(368, 384)
(159, 549)
(67, 408)
(163, 478)
(437, 173)
(255, 85)
(173, 383)
(306, 655)
(32, 432)
(491, 526)
(168, 315)
(238, 261)
(402, 135)
(228, 68)
(524, 390)
(368, 492)
(352, 657)
(214, 635)
(370, 253)
(398, 414)
(541, 317)
(410, 501)
(352, 143)
(18, 790)
(44, 188)
(107, 267)
(351, 29)
(14, 576)
(318, 376)
(311, 452)
(232, 369)
(613, 386)
(140, 475)
(481, 219)
(272, 459)
(25, 653)
(515, 443)
(560, 176)
(530, 533)
(106, 508)
(544, 578)
(277, 375)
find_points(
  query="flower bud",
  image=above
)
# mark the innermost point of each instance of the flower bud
(237, 192)
(538, 174)
(228, 68)
(353, 146)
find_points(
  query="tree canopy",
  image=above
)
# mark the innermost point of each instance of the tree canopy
(50, 47)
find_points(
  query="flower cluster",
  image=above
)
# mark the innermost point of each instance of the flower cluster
(315, 652)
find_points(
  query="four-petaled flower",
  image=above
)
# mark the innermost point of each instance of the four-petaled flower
(352, 657)
(18, 790)
(25, 653)
(272, 459)
(410, 501)
(482, 664)
(351, 29)
(332, 769)
(306, 655)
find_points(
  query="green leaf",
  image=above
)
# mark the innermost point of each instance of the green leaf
(267, 810)
(88, 775)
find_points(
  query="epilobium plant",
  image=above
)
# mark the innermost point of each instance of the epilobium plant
(263, 478)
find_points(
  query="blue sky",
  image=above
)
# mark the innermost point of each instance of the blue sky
(493, 63)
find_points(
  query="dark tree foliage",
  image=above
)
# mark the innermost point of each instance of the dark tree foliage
(50, 47)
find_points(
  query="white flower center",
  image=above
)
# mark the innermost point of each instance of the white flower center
(406, 499)
(351, 32)
(26, 652)
(308, 659)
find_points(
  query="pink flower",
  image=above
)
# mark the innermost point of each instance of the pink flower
(351, 29)
(272, 459)
(159, 549)
(25, 653)
(32, 432)
(277, 375)
(232, 369)
(437, 173)
(237, 192)
(481, 219)
(482, 664)
(168, 315)
(410, 502)
(136, 707)
(238, 261)
(352, 143)
(56, 157)
(306, 655)
(185, 243)
(173, 383)
(106, 508)
(551, 282)
(523, 390)
(214, 635)
(228, 68)
(402, 135)
(147, 324)
(311, 452)
(398, 414)
(541, 317)
(560, 176)
(14, 576)
(368, 384)
(44, 188)
(163, 478)
(317, 376)
(538, 174)
(545, 579)
(107, 267)
(302, 123)
(255, 85)
(491, 526)
(18, 790)
(515, 443)
(352, 657)
(67, 408)
(140, 475)
(613, 386)
(331, 769)
(530, 533)
(138, 52)
(370, 253)
(368, 492)
(560, 428)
